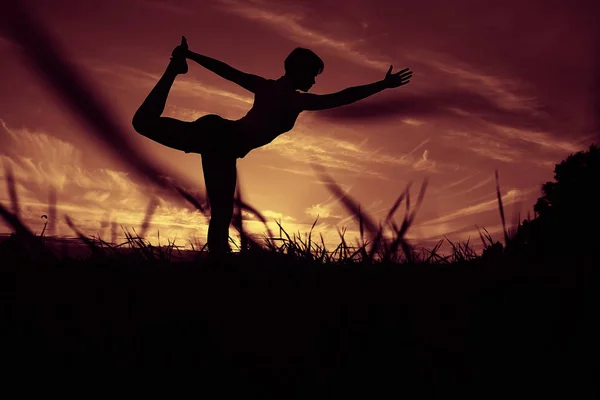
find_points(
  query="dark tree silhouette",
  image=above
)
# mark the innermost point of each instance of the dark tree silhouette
(568, 213)
(574, 194)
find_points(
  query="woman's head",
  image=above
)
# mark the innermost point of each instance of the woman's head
(302, 66)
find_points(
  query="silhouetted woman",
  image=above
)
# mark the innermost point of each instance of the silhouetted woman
(221, 142)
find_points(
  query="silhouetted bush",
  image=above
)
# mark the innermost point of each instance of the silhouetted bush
(573, 197)
(568, 213)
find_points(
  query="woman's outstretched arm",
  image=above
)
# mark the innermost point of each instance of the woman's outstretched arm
(355, 93)
(247, 81)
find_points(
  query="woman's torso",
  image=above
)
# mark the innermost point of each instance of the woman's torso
(274, 112)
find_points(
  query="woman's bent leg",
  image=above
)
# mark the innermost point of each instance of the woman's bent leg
(154, 104)
(171, 132)
(220, 180)
(148, 122)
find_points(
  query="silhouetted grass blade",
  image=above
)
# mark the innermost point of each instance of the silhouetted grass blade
(12, 190)
(501, 208)
(150, 210)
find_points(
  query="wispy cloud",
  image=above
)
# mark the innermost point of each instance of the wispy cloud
(543, 139)
(418, 163)
(39, 161)
(424, 163)
(484, 144)
(413, 122)
(510, 144)
(509, 93)
(457, 104)
(319, 210)
(139, 78)
(455, 183)
(513, 196)
(308, 149)
(481, 183)
(277, 215)
(334, 153)
(291, 24)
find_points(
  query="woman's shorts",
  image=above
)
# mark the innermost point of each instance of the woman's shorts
(215, 135)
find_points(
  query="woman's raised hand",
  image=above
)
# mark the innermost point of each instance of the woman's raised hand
(397, 79)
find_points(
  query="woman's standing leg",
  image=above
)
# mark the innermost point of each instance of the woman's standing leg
(220, 179)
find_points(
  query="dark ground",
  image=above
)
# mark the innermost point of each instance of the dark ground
(274, 329)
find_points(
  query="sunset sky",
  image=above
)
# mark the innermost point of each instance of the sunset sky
(504, 85)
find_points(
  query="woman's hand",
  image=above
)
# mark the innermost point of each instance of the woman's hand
(182, 50)
(397, 79)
